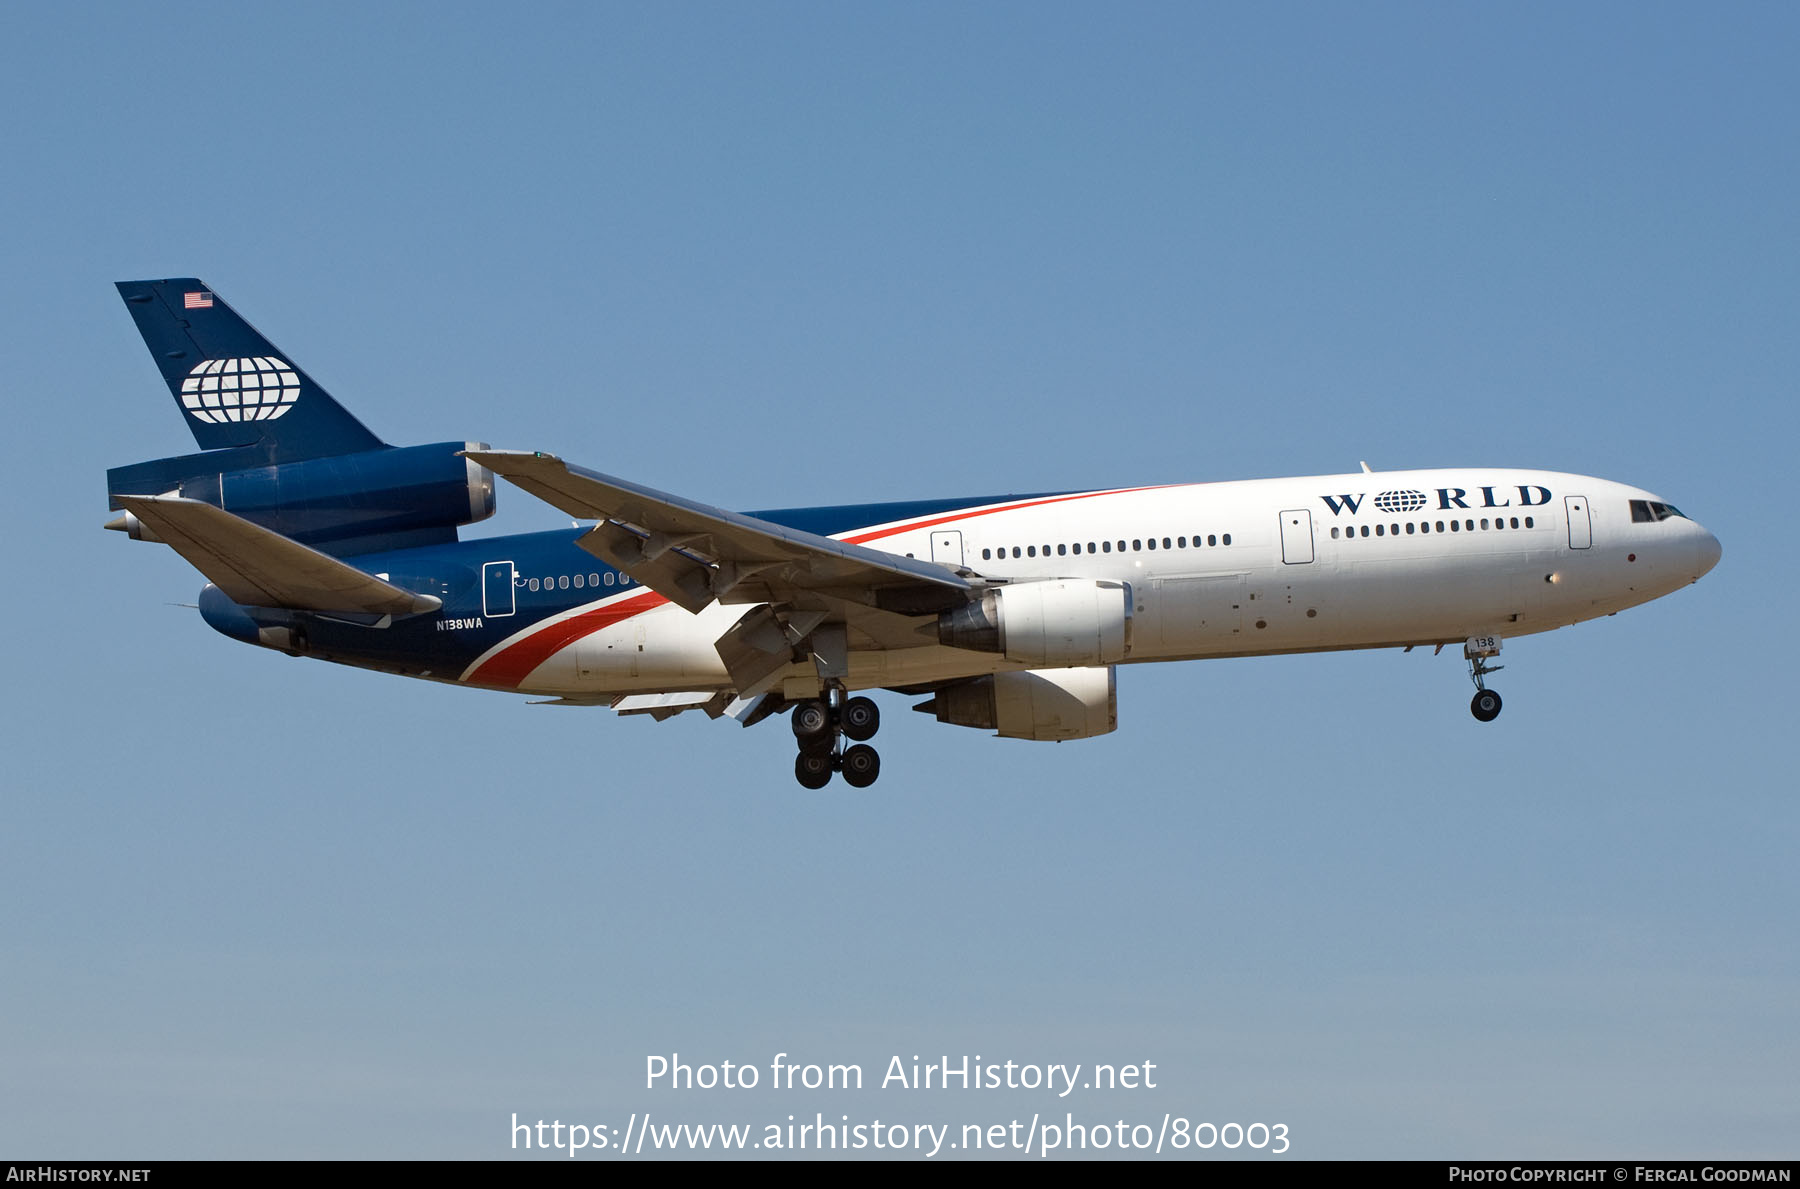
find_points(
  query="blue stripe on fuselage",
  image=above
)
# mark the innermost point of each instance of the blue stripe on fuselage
(830, 521)
(444, 643)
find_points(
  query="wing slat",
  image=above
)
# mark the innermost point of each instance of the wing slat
(692, 553)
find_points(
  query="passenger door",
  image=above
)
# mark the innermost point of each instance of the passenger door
(497, 582)
(1296, 536)
(1581, 527)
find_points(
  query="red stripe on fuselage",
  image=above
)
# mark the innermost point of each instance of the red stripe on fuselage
(913, 526)
(513, 664)
(510, 666)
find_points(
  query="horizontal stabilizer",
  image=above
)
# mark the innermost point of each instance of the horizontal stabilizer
(259, 568)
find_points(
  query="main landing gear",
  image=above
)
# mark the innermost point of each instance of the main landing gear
(1485, 706)
(820, 728)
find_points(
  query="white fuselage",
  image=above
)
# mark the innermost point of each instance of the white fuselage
(1247, 568)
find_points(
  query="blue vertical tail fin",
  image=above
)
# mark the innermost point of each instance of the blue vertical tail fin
(233, 387)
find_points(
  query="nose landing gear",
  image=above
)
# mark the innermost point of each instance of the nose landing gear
(820, 726)
(1485, 705)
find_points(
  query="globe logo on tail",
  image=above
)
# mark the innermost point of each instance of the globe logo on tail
(257, 389)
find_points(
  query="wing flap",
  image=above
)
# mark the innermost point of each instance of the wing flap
(681, 579)
(260, 568)
(664, 706)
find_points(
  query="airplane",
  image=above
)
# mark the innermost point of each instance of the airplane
(1010, 614)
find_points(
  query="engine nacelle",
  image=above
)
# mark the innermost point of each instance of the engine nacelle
(1048, 624)
(331, 502)
(1047, 706)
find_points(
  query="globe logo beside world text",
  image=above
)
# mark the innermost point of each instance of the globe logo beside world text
(257, 389)
(1400, 501)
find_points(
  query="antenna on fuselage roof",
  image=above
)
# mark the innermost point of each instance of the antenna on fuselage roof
(1367, 469)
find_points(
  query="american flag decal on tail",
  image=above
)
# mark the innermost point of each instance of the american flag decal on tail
(196, 301)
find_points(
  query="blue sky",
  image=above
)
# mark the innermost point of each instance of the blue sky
(784, 254)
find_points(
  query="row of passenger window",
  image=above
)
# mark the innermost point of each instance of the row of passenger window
(1135, 546)
(1425, 526)
(580, 580)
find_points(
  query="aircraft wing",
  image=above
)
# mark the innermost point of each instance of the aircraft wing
(692, 553)
(260, 568)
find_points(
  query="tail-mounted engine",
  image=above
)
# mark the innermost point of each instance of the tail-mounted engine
(387, 498)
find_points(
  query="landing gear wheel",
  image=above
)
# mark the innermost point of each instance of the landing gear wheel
(1486, 705)
(812, 719)
(819, 745)
(860, 719)
(861, 766)
(813, 769)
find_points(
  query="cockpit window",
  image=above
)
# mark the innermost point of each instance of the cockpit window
(1645, 511)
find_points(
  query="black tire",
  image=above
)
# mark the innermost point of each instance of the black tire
(813, 769)
(861, 766)
(860, 718)
(1485, 706)
(811, 719)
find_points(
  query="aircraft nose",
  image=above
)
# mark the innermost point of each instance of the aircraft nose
(1707, 552)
